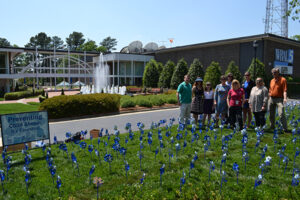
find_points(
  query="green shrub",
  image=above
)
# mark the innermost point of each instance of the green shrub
(178, 75)
(76, 105)
(22, 94)
(196, 70)
(151, 74)
(213, 74)
(144, 103)
(260, 70)
(166, 75)
(128, 104)
(172, 101)
(157, 101)
(234, 69)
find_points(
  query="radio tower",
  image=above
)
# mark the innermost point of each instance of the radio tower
(276, 21)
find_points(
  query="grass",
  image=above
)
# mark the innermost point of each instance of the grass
(1, 99)
(18, 107)
(275, 184)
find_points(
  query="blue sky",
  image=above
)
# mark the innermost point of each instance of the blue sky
(188, 21)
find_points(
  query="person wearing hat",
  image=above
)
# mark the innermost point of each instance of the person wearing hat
(197, 101)
(184, 97)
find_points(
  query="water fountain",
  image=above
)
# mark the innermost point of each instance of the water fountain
(102, 81)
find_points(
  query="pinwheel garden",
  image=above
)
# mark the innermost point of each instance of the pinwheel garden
(161, 161)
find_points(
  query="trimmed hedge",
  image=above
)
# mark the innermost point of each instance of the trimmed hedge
(22, 94)
(128, 104)
(76, 105)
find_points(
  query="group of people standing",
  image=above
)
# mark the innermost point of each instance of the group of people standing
(232, 101)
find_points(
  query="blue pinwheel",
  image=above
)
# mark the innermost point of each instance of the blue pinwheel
(161, 145)
(297, 153)
(52, 170)
(268, 161)
(127, 167)
(224, 156)
(182, 181)
(8, 165)
(91, 149)
(98, 182)
(74, 160)
(245, 158)
(122, 151)
(192, 166)
(150, 142)
(58, 184)
(177, 147)
(83, 133)
(142, 180)
(140, 155)
(128, 126)
(108, 158)
(55, 140)
(27, 159)
(223, 179)
(195, 156)
(258, 181)
(68, 135)
(184, 144)
(235, 168)
(27, 179)
(162, 171)
(205, 149)
(211, 168)
(263, 153)
(295, 180)
(2, 178)
(156, 152)
(98, 155)
(170, 156)
(286, 161)
(91, 172)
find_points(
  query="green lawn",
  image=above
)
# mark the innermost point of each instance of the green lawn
(275, 184)
(1, 99)
(18, 107)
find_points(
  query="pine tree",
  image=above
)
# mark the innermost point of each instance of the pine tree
(151, 75)
(213, 74)
(234, 69)
(260, 70)
(166, 75)
(196, 70)
(178, 75)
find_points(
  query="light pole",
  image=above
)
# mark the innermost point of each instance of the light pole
(255, 45)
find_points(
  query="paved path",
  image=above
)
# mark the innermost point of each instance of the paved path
(108, 122)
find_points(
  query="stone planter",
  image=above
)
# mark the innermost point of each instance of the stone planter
(94, 133)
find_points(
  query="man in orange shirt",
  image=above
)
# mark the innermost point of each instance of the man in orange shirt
(278, 97)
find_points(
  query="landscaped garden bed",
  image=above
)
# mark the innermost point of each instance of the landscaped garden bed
(162, 161)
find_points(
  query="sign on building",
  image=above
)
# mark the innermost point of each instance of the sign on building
(284, 60)
(24, 127)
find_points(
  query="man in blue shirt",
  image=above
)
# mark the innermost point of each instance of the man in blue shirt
(184, 97)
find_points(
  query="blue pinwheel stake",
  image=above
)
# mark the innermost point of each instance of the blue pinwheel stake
(74, 160)
(177, 146)
(52, 170)
(192, 166)
(223, 179)
(27, 179)
(91, 172)
(182, 181)
(286, 161)
(98, 155)
(2, 178)
(258, 181)
(156, 152)
(55, 140)
(236, 169)
(223, 161)
(263, 154)
(184, 145)
(108, 158)
(211, 168)
(162, 171)
(150, 142)
(205, 149)
(98, 182)
(142, 180)
(127, 167)
(297, 153)
(295, 180)
(91, 149)
(8, 165)
(58, 184)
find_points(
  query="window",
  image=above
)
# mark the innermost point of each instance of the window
(2, 64)
(139, 68)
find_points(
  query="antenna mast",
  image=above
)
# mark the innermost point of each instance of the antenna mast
(276, 21)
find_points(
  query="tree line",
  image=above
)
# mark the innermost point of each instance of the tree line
(170, 75)
(75, 42)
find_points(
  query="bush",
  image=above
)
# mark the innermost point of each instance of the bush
(76, 105)
(41, 98)
(166, 75)
(172, 101)
(22, 94)
(196, 70)
(151, 74)
(178, 75)
(144, 103)
(157, 101)
(234, 69)
(213, 74)
(260, 70)
(128, 104)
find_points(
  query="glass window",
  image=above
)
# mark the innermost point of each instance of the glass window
(128, 68)
(122, 68)
(139, 68)
(122, 81)
(116, 68)
(2, 64)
